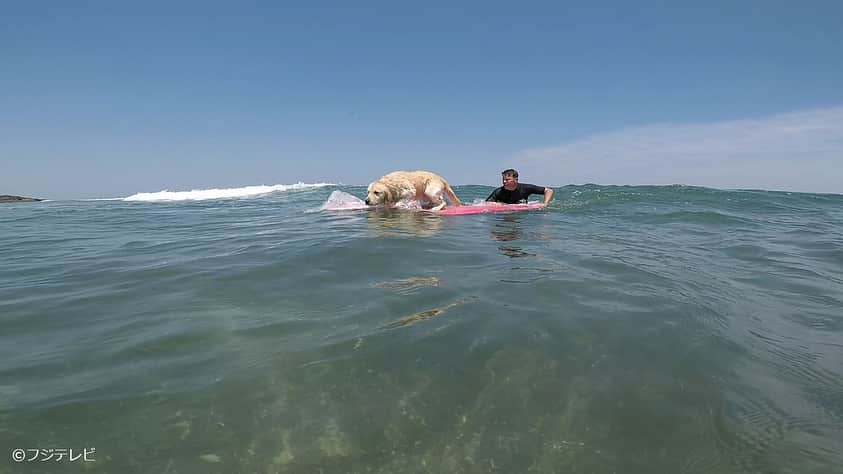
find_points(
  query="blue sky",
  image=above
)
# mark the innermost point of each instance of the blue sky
(106, 99)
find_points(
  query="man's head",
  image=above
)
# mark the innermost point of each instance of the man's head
(510, 179)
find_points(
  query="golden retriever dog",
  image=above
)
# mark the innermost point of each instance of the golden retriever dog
(410, 185)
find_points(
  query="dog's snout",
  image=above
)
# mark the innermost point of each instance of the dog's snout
(367, 201)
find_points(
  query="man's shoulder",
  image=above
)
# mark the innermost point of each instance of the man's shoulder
(531, 187)
(494, 194)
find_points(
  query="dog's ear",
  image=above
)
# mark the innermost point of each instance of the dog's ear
(391, 195)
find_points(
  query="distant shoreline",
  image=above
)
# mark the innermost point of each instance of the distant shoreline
(9, 198)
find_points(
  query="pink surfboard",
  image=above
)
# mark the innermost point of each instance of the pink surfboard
(486, 208)
(342, 201)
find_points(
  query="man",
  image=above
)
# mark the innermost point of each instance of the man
(513, 192)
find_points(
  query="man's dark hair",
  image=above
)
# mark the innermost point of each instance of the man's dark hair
(509, 172)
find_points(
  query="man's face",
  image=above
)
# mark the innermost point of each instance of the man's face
(510, 182)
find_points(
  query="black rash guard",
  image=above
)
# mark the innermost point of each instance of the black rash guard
(517, 195)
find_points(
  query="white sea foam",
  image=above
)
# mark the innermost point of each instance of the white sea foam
(205, 194)
(342, 201)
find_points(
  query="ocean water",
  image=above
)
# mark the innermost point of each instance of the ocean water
(664, 329)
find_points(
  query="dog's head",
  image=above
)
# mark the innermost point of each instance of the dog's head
(379, 193)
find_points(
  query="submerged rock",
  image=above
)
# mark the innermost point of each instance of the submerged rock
(409, 283)
(9, 198)
(423, 315)
(212, 458)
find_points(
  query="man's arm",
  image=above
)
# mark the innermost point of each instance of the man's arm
(548, 195)
(493, 197)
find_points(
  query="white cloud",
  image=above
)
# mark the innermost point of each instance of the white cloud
(800, 151)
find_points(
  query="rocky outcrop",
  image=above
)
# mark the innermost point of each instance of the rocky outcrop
(7, 198)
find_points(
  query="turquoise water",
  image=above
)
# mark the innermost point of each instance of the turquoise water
(624, 329)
